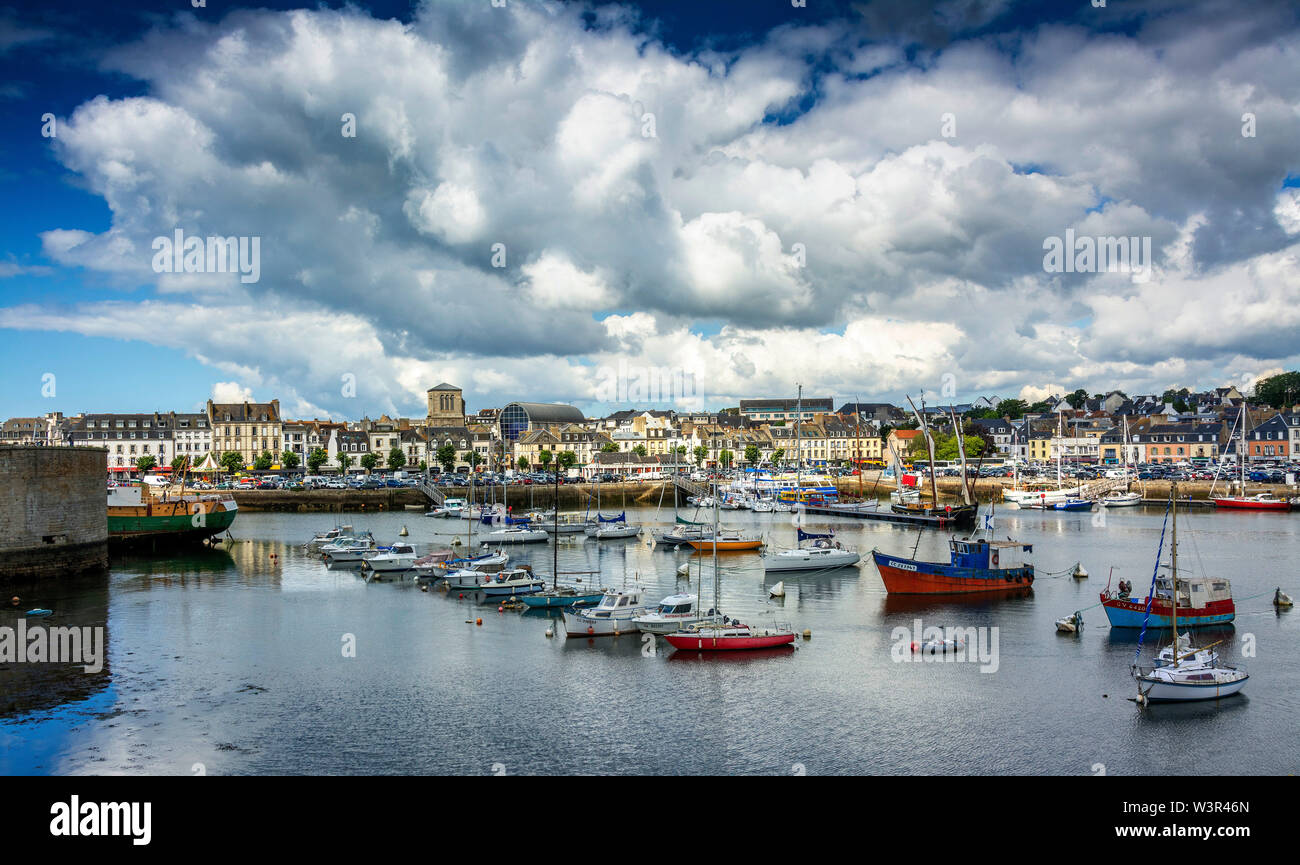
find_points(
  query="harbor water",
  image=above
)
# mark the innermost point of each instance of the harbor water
(256, 658)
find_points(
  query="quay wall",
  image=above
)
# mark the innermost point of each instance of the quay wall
(53, 513)
(647, 493)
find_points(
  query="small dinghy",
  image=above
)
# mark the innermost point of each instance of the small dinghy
(39, 613)
(938, 647)
(777, 591)
(1071, 624)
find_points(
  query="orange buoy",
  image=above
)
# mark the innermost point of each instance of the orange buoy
(590, 629)
(501, 609)
(478, 621)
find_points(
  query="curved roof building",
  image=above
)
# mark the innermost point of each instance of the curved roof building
(519, 417)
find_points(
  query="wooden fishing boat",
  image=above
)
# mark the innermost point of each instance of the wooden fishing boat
(974, 566)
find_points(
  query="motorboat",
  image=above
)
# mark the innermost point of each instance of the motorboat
(349, 550)
(398, 557)
(510, 582)
(515, 535)
(673, 613)
(612, 616)
(613, 531)
(1120, 500)
(329, 537)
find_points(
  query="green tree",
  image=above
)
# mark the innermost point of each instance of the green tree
(145, 463)
(1075, 399)
(1013, 409)
(640, 450)
(778, 456)
(264, 462)
(1040, 407)
(369, 461)
(180, 464)
(523, 464)
(396, 458)
(945, 446)
(345, 462)
(545, 457)
(446, 456)
(289, 459)
(700, 453)
(751, 454)
(609, 448)
(424, 467)
(474, 458)
(567, 459)
(725, 457)
(317, 458)
(232, 461)
(1279, 391)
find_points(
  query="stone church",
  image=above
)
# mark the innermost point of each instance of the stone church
(446, 406)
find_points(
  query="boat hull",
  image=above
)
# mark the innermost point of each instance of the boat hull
(1186, 692)
(783, 563)
(558, 601)
(1131, 613)
(168, 522)
(1251, 505)
(704, 643)
(912, 577)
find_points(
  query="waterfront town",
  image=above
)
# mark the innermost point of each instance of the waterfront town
(1178, 427)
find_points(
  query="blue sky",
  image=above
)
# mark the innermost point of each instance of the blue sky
(779, 129)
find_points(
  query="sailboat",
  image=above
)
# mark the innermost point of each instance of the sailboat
(959, 516)
(611, 528)
(557, 595)
(1181, 673)
(821, 553)
(1125, 498)
(1260, 502)
(727, 634)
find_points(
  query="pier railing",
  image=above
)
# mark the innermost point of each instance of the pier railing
(690, 486)
(435, 495)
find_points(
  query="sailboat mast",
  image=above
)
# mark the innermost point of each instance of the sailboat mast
(1173, 562)
(555, 536)
(798, 443)
(857, 435)
(717, 590)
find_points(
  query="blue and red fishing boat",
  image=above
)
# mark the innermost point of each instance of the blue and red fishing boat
(974, 566)
(1201, 601)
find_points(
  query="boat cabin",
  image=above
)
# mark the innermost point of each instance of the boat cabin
(676, 605)
(1195, 592)
(994, 555)
(616, 600)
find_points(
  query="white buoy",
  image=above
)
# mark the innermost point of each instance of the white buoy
(1079, 572)
(778, 591)
(403, 532)
(684, 569)
(550, 630)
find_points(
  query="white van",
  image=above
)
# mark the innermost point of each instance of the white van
(155, 481)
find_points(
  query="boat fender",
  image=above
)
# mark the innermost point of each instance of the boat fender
(1030, 579)
(1008, 578)
(1019, 579)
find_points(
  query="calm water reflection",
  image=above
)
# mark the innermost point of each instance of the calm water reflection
(233, 659)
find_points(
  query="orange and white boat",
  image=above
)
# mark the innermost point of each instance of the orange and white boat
(727, 542)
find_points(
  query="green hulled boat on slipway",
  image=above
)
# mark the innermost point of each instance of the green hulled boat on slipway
(137, 518)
